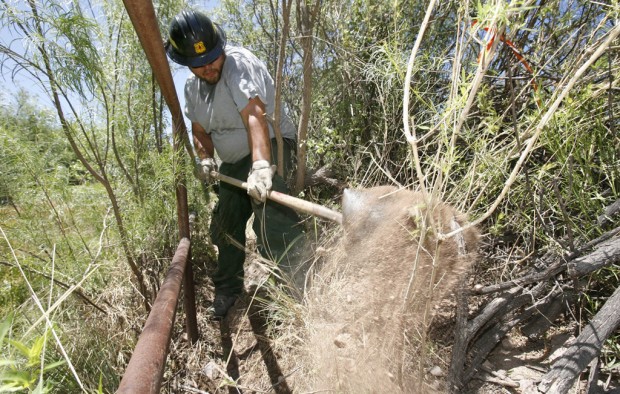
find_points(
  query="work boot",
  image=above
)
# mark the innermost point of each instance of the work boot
(222, 304)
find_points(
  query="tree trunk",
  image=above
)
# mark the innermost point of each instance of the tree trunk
(286, 16)
(306, 20)
(101, 177)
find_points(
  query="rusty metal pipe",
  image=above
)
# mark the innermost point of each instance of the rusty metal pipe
(142, 15)
(146, 366)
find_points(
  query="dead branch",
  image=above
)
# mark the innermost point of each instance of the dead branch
(548, 311)
(497, 378)
(521, 303)
(605, 254)
(65, 286)
(481, 348)
(459, 348)
(496, 307)
(609, 213)
(566, 369)
(323, 176)
(555, 268)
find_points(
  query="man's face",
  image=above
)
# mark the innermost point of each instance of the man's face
(210, 72)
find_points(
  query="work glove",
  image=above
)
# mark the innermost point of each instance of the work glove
(203, 168)
(259, 180)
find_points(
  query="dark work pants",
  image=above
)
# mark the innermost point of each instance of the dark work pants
(276, 226)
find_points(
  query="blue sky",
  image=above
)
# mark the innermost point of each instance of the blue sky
(13, 82)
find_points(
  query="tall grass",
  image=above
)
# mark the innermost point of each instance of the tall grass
(64, 278)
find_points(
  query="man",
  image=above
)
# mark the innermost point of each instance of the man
(229, 99)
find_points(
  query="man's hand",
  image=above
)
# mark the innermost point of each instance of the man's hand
(203, 169)
(259, 180)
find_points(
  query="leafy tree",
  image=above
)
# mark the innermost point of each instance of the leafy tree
(85, 58)
(90, 179)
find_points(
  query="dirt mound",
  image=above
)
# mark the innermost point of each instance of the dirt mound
(372, 302)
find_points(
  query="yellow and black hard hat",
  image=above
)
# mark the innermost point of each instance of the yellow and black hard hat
(194, 40)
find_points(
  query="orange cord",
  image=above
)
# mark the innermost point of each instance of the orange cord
(515, 51)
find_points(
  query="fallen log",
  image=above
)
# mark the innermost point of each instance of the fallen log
(521, 302)
(482, 347)
(581, 351)
(497, 307)
(606, 251)
(605, 254)
(549, 309)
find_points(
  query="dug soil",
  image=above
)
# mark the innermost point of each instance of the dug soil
(377, 315)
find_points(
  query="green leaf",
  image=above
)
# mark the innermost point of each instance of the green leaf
(5, 326)
(5, 362)
(54, 365)
(14, 378)
(10, 388)
(41, 389)
(23, 349)
(34, 356)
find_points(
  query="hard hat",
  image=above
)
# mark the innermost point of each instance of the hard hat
(194, 40)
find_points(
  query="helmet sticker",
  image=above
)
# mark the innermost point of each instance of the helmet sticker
(199, 47)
